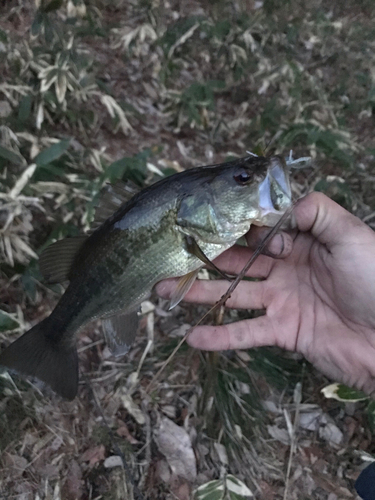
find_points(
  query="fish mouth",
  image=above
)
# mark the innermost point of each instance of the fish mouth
(275, 194)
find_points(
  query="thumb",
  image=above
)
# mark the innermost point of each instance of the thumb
(330, 223)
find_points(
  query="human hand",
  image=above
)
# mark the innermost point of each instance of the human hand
(319, 298)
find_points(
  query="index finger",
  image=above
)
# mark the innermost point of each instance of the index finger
(279, 247)
(234, 260)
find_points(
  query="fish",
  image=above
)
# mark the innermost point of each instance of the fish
(170, 229)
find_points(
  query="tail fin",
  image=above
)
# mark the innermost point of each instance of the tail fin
(37, 355)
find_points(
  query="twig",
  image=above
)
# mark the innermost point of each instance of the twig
(147, 446)
(229, 292)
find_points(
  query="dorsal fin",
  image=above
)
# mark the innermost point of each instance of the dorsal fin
(56, 260)
(111, 199)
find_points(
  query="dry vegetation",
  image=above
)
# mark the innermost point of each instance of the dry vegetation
(101, 90)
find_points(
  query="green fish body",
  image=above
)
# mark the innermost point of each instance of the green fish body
(147, 239)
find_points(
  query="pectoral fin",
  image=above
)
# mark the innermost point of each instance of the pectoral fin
(120, 331)
(193, 248)
(183, 286)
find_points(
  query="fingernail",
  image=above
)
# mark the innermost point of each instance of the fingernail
(193, 339)
(276, 246)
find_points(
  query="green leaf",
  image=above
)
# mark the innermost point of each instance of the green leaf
(133, 168)
(7, 322)
(37, 23)
(117, 169)
(343, 393)
(52, 153)
(336, 189)
(30, 276)
(11, 156)
(213, 490)
(221, 29)
(177, 30)
(24, 108)
(371, 416)
(3, 36)
(228, 488)
(237, 489)
(49, 30)
(49, 173)
(52, 5)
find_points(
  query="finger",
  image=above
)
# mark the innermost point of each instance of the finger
(330, 223)
(234, 260)
(240, 335)
(247, 294)
(279, 247)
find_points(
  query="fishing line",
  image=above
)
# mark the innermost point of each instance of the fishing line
(230, 290)
(138, 495)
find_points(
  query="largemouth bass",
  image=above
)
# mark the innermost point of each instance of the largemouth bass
(170, 229)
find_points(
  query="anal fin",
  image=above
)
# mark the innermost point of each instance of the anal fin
(120, 331)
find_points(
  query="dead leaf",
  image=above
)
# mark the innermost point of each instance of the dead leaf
(56, 443)
(268, 491)
(17, 463)
(181, 489)
(310, 420)
(133, 409)
(73, 485)
(331, 433)
(221, 453)
(163, 471)
(123, 431)
(174, 443)
(113, 461)
(93, 455)
(280, 435)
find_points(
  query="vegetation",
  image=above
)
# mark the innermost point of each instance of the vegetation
(100, 90)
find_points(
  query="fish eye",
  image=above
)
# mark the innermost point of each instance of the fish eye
(243, 177)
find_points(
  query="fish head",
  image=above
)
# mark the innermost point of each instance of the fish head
(254, 190)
